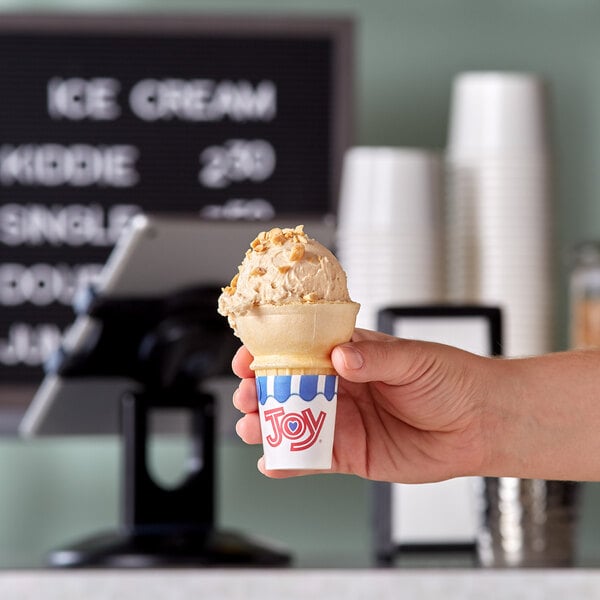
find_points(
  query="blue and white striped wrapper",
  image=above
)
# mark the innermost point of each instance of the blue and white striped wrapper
(297, 418)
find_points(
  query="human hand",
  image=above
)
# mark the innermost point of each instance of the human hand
(408, 411)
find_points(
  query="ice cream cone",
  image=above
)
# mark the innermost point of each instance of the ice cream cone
(289, 304)
(296, 339)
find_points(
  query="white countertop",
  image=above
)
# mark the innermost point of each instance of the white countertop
(244, 584)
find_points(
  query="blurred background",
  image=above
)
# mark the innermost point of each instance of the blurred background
(407, 53)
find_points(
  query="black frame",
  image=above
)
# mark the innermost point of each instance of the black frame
(385, 548)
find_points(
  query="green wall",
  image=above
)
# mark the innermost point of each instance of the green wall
(54, 492)
(407, 53)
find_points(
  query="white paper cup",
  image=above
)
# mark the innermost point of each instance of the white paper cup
(390, 190)
(498, 114)
(297, 420)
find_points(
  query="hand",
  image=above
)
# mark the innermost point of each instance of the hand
(408, 411)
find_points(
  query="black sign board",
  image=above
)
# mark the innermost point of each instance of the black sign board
(104, 117)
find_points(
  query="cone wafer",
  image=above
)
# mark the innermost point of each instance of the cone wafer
(299, 371)
(296, 339)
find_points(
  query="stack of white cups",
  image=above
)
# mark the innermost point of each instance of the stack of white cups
(499, 221)
(390, 228)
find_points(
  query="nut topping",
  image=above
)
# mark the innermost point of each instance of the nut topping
(297, 252)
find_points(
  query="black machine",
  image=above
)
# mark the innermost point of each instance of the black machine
(155, 337)
(168, 346)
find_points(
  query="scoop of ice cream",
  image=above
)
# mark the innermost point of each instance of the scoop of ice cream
(284, 266)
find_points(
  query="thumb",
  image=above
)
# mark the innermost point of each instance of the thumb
(393, 362)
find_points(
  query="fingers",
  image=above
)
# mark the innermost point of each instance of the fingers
(241, 363)
(246, 401)
(390, 360)
(244, 398)
(248, 428)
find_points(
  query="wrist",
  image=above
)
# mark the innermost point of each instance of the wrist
(506, 430)
(541, 417)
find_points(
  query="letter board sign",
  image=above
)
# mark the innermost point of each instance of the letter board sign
(105, 117)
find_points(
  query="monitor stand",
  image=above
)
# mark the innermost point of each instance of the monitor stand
(168, 528)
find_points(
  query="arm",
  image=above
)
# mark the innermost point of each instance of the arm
(412, 412)
(547, 417)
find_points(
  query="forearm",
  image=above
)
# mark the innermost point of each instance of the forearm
(543, 417)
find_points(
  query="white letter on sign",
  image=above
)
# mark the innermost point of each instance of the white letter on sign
(77, 99)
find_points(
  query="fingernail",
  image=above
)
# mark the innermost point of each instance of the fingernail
(353, 359)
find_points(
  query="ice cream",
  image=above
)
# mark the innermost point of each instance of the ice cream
(284, 266)
(289, 304)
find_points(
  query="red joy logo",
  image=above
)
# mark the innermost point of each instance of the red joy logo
(302, 428)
